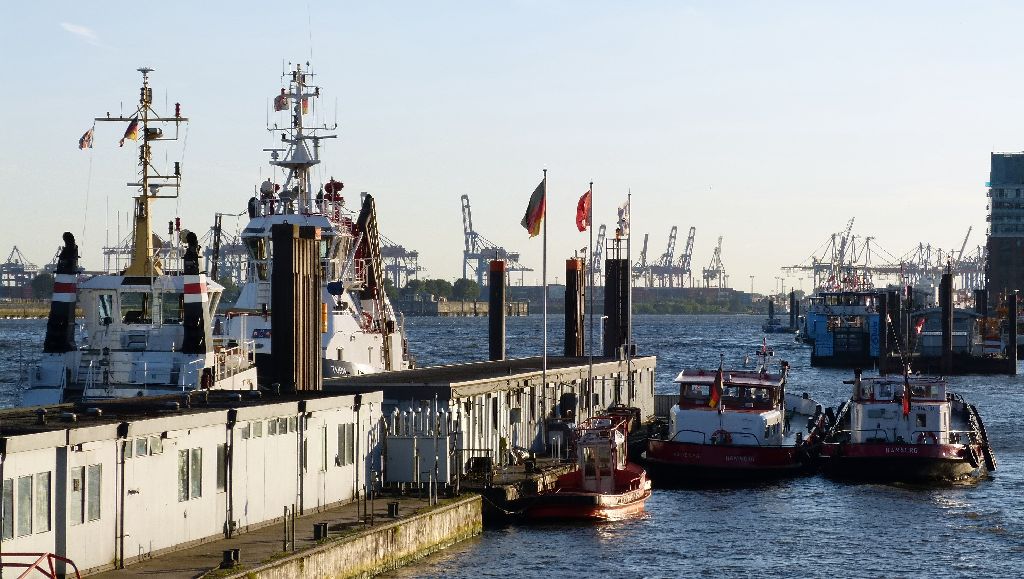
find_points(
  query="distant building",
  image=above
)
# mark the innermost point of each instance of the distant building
(1005, 267)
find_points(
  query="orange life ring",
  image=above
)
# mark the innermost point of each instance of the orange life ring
(721, 437)
(927, 438)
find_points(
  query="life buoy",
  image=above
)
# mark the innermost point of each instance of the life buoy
(367, 321)
(927, 438)
(721, 437)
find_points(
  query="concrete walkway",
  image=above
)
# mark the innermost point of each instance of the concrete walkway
(259, 546)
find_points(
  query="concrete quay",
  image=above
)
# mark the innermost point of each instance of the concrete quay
(354, 547)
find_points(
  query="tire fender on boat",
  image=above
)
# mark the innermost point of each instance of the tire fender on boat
(927, 438)
(721, 437)
(971, 456)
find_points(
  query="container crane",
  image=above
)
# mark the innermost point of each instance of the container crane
(479, 250)
(714, 273)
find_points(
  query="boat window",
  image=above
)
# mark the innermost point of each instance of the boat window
(135, 308)
(258, 251)
(604, 461)
(589, 465)
(172, 305)
(922, 420)
(105, 308)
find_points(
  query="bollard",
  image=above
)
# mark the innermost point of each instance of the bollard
(393, 509)
(320, 531)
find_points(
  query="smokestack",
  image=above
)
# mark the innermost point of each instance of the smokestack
(60, 325)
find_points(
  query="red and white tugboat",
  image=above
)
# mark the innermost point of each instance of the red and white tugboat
(906, 429)
(734, 425)
(605, 487)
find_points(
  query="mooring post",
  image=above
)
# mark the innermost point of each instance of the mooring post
(295, 307)
(616, 306)
(794, 309)
(574, 300)
(1011, 347)
(883, 332)
(896, 324)
(946, 301)
(496, 310)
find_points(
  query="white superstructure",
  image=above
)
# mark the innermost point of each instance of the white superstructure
(359, 329)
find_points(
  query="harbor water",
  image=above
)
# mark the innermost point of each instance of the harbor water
(808, 526)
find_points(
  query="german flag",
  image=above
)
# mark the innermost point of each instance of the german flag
(132, 132)
(535, 210)
(716, 389)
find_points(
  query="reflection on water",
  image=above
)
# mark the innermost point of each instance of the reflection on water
(802, 527)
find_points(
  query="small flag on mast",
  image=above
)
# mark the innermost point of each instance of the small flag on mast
(86, 141)
(622, 229)
(281, 101)
(583, 211)
(716, 388)
(906, 392)
(305, 105)
(132, 132)
(535, 210)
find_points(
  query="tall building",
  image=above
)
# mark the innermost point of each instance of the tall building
(1005, 268)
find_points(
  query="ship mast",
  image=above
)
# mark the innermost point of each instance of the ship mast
(297, 192)
(143, 261)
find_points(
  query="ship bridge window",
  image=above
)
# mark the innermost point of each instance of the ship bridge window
(922, 420)
(172, 305)
(135, 308)
(257, 247)
(105, 308)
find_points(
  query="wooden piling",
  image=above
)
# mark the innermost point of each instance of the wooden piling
(295, 307)
(496, 310)
(574, 301)
(946, 301)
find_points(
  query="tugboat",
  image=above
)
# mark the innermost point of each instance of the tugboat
(605, 486)
(146, 329)
(360, 332)
(734, 426)
(906, 429)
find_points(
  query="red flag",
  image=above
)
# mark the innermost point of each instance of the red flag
(906, 395)
(919, 326)
(583, 212)
(280, 101)
(716, 389)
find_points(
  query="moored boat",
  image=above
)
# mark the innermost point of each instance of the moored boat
(605, 486)
(906, 429)
(736, 426)
(146, 328)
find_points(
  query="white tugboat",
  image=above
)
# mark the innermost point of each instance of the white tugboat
(146, 329)
(360, 332)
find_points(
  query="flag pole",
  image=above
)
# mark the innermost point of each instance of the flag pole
(544, 281)
(629, 294)
(590, 296)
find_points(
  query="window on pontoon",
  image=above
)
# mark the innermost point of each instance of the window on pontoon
(135, 308)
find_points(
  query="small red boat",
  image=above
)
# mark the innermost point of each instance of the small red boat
(906, 429)
(734, 426)
(605, 487)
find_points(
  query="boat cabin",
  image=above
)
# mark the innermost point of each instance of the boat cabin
(877, 412)
(750, 411)
(601, 452)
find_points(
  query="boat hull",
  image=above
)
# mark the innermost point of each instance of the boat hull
(909, 463)
(584, 506)
(670, 462)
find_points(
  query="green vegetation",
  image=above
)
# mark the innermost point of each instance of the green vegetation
(732, 306)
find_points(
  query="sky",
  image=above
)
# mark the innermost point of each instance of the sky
(768, 123)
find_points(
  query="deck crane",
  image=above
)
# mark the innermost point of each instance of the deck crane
(715, 271)
(480, 251)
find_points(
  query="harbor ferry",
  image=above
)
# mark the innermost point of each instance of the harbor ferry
(146, 328)
(731, 425)
(842, 328)
(360, 331)
(906, 429)
(605, 486)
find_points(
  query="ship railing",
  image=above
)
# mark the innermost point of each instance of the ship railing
(876, 434)
(44, 563)
(703, 436)
(234, 360)
(951, 435)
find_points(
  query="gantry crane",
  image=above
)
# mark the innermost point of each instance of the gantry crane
(479, 251)
(714, 273)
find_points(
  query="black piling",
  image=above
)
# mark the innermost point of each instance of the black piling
(574, 300)
(794, 309)
(883, 332)
(1011, 346)
(60, 325)
(295, 307)
(496, 310)
(616, 306)
(771, 309)
(981, 302)
(946, 302)
(896, 323)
